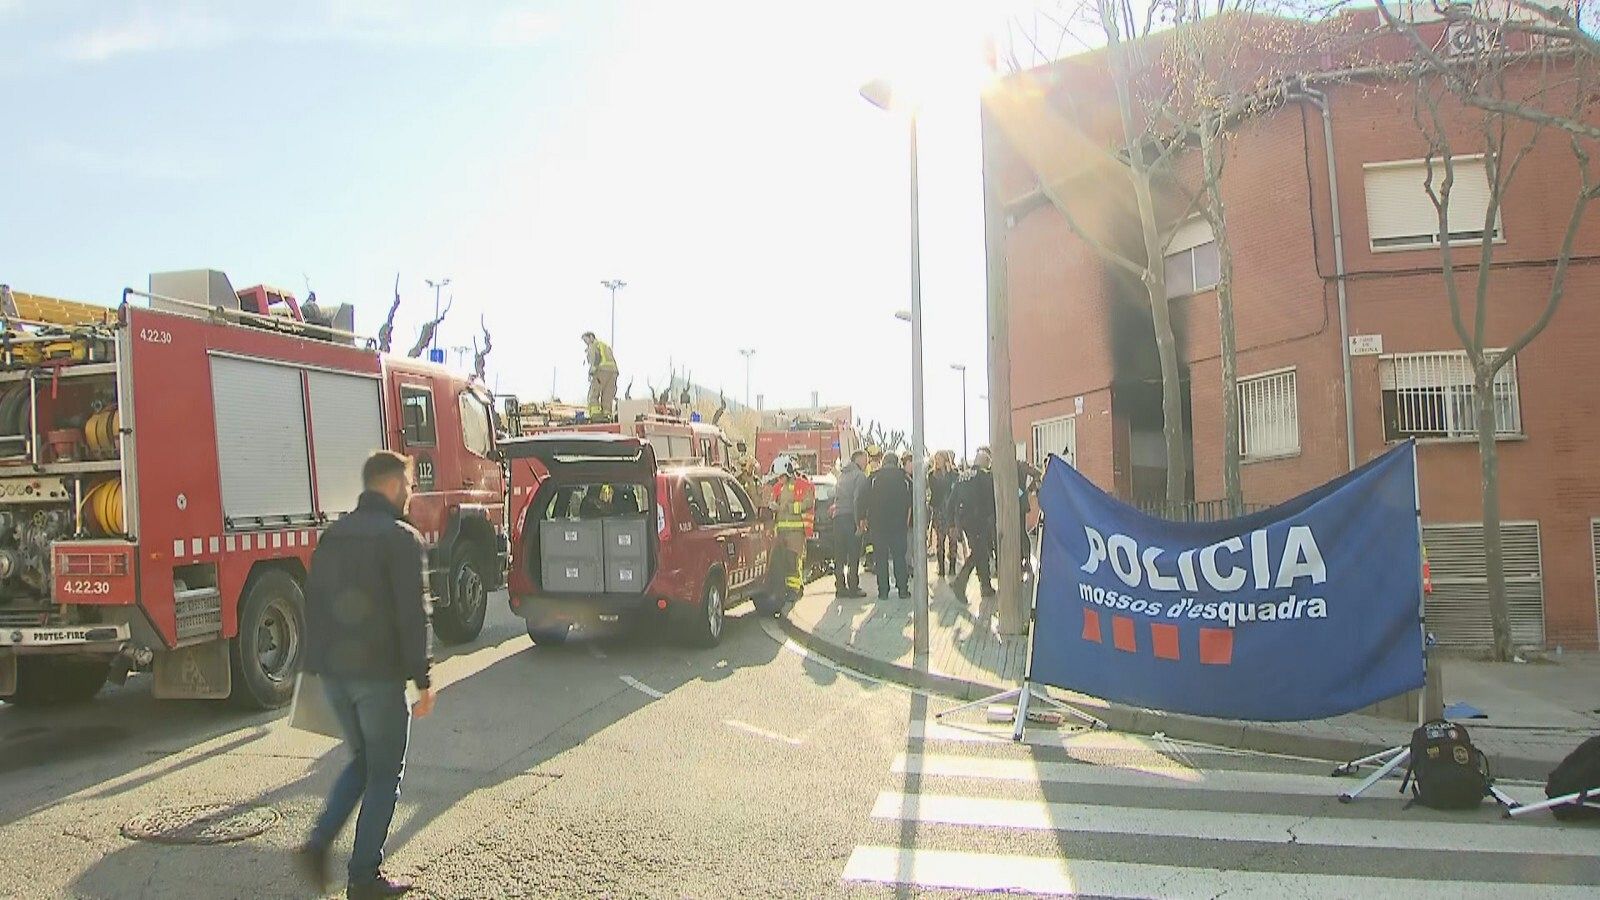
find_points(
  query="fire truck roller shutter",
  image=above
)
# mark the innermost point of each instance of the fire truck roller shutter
(261, 441)
(346, 426)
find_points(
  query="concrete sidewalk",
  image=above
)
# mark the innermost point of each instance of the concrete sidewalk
(1536, 712)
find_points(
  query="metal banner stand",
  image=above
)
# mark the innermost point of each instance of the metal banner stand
(1028, 692)
(1393, 758)
(1590, 798)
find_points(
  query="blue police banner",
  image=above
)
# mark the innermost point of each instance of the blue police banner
(1306, 610)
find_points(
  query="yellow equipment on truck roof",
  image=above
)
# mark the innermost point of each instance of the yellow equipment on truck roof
(55, 311)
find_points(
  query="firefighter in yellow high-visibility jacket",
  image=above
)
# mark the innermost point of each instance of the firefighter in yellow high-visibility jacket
(794, 502)
(602, 377)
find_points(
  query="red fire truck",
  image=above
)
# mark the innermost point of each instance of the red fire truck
(816, 444)
(165, 473)
(674, 437)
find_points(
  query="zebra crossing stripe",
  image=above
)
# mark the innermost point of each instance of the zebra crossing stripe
(958, 870)
(1135, 776)
(1266, 828)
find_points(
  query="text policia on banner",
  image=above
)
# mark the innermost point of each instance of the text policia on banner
(1299, 560)
(1306, 610)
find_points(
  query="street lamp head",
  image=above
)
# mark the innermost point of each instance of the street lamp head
(903, 315)
(959, 367)
(879, 92)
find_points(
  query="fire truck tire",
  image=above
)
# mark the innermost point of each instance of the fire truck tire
(58, 681)
(267, 652)
(462, 619)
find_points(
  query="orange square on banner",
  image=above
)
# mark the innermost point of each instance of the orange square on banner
(1164, 640)
(1091, 625)
(1216, 646)
(1122, 634)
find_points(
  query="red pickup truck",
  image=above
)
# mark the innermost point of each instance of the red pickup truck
(601, 533)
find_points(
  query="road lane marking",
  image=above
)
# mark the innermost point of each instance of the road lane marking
(762, 732)
(1267, 828)
(640, 686)
(595, 651)
(1096, 878)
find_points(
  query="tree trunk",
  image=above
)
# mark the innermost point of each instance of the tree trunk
(1493, 554)
(1232, 488)
(1155, 283)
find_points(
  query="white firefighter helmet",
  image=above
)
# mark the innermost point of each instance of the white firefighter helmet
(783, 465)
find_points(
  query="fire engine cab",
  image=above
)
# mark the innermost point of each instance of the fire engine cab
(167, 467)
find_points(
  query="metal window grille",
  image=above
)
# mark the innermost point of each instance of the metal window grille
(1269, 416)
(1058, 436)
(1431, 396)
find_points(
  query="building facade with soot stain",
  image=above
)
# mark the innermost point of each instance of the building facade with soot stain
(1086, 384)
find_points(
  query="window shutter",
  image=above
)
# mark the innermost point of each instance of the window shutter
(1400, 212)
(1190, 235)
(1469, 196)
(1398, 206)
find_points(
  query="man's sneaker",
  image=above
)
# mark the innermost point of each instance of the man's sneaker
(382, 886)
(313, 864)
(856, 593)
(905, 595)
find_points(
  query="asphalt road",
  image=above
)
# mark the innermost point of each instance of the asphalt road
(643, 768)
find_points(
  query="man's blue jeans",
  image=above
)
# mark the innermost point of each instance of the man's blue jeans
(377, 725)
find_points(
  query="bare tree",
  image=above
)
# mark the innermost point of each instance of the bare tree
(425, 335)
(386, 330)
(480, 357)
(1519, 92)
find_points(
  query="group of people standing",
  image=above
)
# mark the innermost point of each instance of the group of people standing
(873, 507)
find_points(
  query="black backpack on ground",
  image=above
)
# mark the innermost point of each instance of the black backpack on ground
(1578, 773)
(1446, 771)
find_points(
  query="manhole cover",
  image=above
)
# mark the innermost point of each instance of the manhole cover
(214, 823)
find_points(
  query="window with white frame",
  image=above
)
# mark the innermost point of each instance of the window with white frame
(1401, 214)
(1429, 395)
(1192, 263)
(1269, 416)
(1058, 436)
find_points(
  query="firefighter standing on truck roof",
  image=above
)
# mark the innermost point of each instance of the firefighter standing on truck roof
(794, 500)
(602, 377)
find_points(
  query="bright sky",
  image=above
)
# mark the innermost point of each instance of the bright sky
(714, 155)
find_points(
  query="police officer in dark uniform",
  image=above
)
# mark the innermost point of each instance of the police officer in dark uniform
(972, 507)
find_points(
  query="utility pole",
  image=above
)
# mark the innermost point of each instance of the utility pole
(1015, 606)
(747, 354)
(437, 287)
(961, 367)
(614, 285)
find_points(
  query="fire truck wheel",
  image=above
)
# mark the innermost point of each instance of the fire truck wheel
(58, 681)
(266, 653)
(462, 619)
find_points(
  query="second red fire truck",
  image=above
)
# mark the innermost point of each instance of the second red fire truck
(165, 472)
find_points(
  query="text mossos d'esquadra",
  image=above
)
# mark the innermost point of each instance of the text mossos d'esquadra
(1221, 568)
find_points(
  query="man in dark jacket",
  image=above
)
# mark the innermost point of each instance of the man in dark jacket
(849, 512)
(972, 506)
(366, 636)
(889, 524)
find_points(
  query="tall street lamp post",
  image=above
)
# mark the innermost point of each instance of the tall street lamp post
(959, 367)
(747, 354)
(880, 94)
(614, 285)
(437, 287)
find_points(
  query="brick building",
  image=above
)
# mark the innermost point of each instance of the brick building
(1086, 385)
